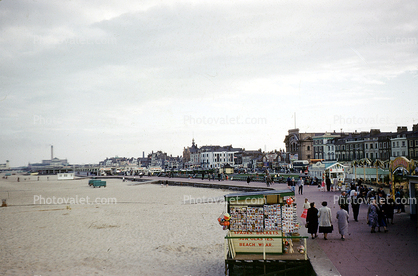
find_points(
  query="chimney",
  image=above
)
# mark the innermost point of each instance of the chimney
(402, 129)
(143, 154)
(415, 127)
(52, 152)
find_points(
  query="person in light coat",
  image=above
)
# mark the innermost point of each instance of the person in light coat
(325, 220)
(342, 217)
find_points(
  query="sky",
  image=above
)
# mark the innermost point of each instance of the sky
(98, 79)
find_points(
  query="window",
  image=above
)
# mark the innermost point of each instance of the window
(367, 155)
(371, 146)
(411, 143)
(309, 148)
(397, 144)
(403, 153)
(371, 155)
(416, 143)
(403, 143)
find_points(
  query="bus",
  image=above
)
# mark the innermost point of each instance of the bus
(300, 165)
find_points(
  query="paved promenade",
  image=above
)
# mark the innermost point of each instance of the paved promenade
(362, 253)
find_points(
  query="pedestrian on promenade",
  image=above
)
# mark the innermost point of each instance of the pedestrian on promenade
(268, 180)
(372, 215)
(203, 175)
(342, 217)
(292, 184)
(312, 220)
(328, 183)
(354, 195)
(306, 206)
(334, 184)
(248, 180)
(219, 177)
(343, 201)
(390, 208)
(300, 185)
(381, 216)
(289, 181)
(325, 220)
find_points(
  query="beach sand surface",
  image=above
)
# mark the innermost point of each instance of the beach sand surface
(148, 231)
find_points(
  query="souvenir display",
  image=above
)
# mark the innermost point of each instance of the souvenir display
(289, 217)
(272, 217)
(238, 221)
(255, 216)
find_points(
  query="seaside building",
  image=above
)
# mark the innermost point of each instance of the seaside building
(324, 147)
(347, 147)
(299, 146)
(399, 143)
(5, 166)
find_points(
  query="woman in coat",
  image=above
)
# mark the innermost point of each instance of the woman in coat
(325, 220)
(312, 220)
(342, 217)
(372, 215)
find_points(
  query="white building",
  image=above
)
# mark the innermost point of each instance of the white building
(324, 147)
(5, 166)
(399, 145)
(65, 176)
(333, 170)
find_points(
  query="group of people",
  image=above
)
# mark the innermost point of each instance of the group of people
(320, 220)
(292, 184)
(380, 211)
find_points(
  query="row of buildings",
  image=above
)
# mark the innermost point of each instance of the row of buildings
(156, 159)
(334, 146)
(216, 157)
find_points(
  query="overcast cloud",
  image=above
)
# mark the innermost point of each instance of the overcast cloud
(99, 78)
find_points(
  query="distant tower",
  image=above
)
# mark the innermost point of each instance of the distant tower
(52, 152)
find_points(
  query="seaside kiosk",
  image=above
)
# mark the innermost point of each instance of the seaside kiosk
(263, 234)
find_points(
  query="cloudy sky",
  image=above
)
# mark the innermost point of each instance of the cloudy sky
(103, 78)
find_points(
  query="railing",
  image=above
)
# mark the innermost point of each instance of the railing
(229, 248)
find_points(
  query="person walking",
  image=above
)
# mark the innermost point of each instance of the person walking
(355, 205)
(372, 215)
(312, 220)
(268, 180)
(306, 206)
(325, 220)
(328, 183)
(343, 201)
(342, 217)
(248, 180)
(381, 216)
(389, 211)
(300, 186)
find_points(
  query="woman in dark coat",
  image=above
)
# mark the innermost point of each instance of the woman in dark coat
(312, 220)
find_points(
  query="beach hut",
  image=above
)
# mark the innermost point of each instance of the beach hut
(262, 226)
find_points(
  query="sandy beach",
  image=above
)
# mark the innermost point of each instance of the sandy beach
(148, 231)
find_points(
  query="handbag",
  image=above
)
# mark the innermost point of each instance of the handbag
(307, 224)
